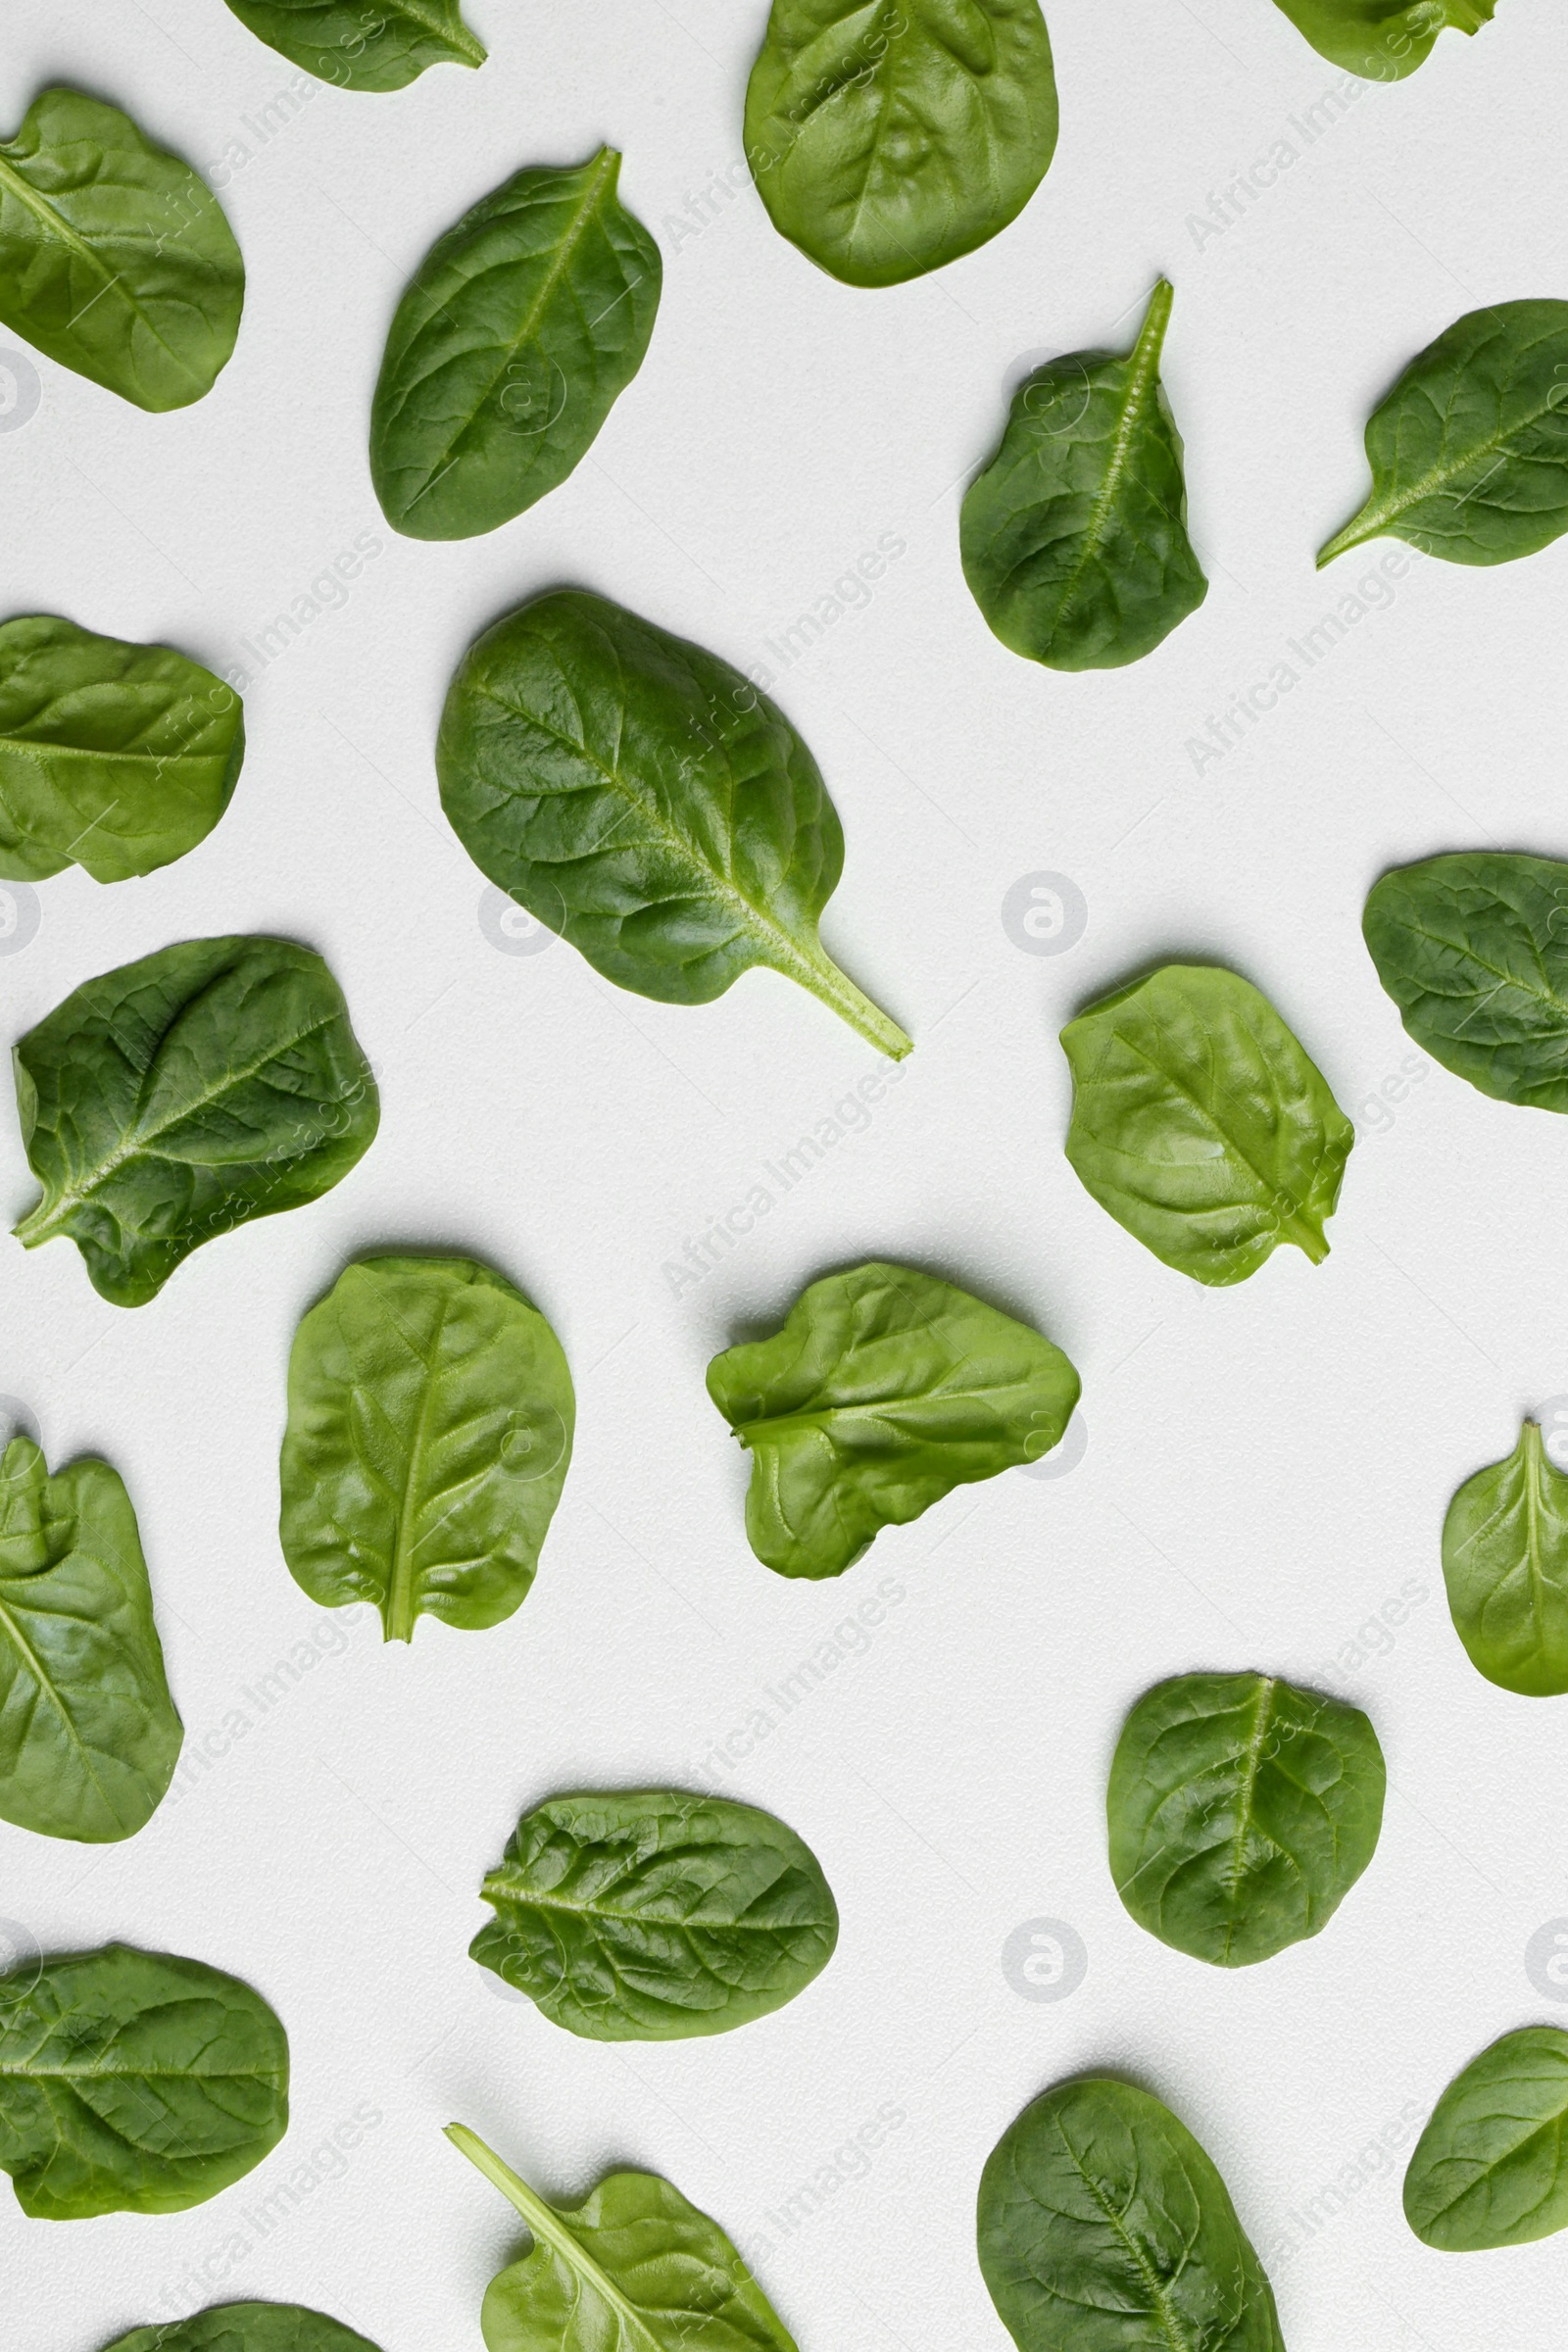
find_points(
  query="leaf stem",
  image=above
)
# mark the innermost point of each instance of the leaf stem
(1356, 532)
(532, 2207)
(36, 1226)
(817, 972)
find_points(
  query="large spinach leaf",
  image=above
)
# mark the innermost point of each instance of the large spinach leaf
(1242, 1812)
(114, 256)
(1506, 1564)
(178, 1096)
(429, 1428)
(1469, 452)
(890, 137)
(88, 1733)
(1381, 39)
(884, 1390)
(383, 47)
(1473, 948)
(117, 758)
(520, 330)
(644, 801)
(650, 1915)
(1074, 538)
(1490, 2168)
(134, 2083)
(246, 2327)
(1199, 1123)
(632, 2268)
(1106, 2228)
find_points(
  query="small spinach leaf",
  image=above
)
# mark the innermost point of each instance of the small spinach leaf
(520, 330)
(114, 256)
(1074, 538)
(1506, 1565)
(1381, 39)
(888, 137)
(632, 2268)
(429, 1428)
(1199, 1123)
(134, 2083)
(1242, 1812)
(117, 758)
(1469, 452)
(1490, 2168)
(1105, 2228)
(644, 801)
(89, 1733)
(246, 2327)
(360, 48)
(176, 1098)
(884, 1390)
(650, 1915)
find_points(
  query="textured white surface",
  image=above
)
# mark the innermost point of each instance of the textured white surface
(1266, 1467)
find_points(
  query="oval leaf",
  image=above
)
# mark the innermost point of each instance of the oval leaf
(1074, 538)
(1199, 1123)
(650, 1915)
(1381, 39)
(1506, 1565)
(519, 332)
(887, 139)
(178, 1096)
(134, 2083)
(360, 48)
(246, 2327)
(1490, 2168)
(1242, 1812)
(430, 1419)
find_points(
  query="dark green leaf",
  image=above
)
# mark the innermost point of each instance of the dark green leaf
(649, 1915)
(1106, 2228)
(1506, 1564)
(246, 2327)
(429, 1428)
(1381, 39)
(1074, 538)
(357, 47)
(520, 330)
(890, 137)
(134, 2083)
(1490, 2168)
(884, 1390)
(646, 802)
(1242, 1812)
(1200, 1124)
(177, 1096)
(115, 257)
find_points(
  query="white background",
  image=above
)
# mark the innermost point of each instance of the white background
(1266, 1467)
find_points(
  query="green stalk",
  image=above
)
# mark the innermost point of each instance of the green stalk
(817, 972)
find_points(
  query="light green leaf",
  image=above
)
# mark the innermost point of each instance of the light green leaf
(1490, 2168)
(357, 47)
(1506, 1564)
(246, 2327)
(1381, 39)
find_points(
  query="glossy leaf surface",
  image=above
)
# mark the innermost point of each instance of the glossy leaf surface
(1490, 2168)
(1506, 1565)
(356, 47)
(1381, 39)
(246, 2327)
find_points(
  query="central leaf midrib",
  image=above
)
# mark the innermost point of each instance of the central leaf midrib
(1143, 366)
(400, 1582)
(36, 747)
(497, 1885)
(69, 237)
(46, 1684)
(1544, 995)
(1175, 2335)
(1244, 1803)
(467, 44)
(1395, 502)
(1292, 1224)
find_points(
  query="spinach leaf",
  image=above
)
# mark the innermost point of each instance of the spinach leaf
(180, 1096)
(1106, 2228)
(889, 136)
(114, 256)
(1506, 1564)
(1469, 452)
(884, 1390)
(1242, 1812)
(1473, 948)
(650, 1915)
(1199, 1123)
(632, 2268)
(88, 1733)
(134, 2083)
(1381, 39)
(644, 801)
(246, 2327)
(1490, 2168)
(1074, 538)
(117, 758)
(513, 340)
(360, 48)
(429, 1428)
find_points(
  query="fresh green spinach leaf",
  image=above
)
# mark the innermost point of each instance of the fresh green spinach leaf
(1383, 40)
(430, 1417)
(1469, 452)
(117, 758)
(519, 332)
(1506, 1564)
(1106, 2228)
(134, 2083)
(888, 137)
(1490, 2168)
(1199, 1123)
(884, 1390)
(177, 1096)
(648, 802)
(246, 2327)
(1242, 1812)
(1074, 538)
(632, 2268)
(114, 256)
(650, 1915)
(360, 48)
